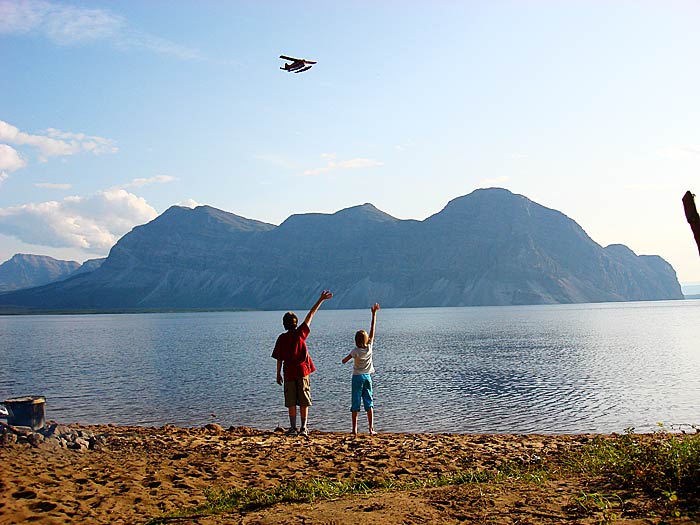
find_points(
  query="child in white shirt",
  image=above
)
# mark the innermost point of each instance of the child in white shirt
(361, 378)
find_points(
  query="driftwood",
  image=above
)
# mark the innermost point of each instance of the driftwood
(691, 213)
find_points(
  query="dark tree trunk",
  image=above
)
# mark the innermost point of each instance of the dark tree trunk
(691, 213)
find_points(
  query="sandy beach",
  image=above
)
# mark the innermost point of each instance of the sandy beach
(135, 474)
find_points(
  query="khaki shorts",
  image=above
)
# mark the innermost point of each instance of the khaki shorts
(297, 392)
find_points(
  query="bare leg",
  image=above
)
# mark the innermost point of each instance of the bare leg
(354, 422)
(304, 412)
(293, 417)
(370, 420)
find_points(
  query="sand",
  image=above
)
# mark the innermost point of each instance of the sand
(142, 473)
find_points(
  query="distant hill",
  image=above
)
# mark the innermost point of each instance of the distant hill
(490, 247)
(27, 271)
(691, 290)
(88, 266)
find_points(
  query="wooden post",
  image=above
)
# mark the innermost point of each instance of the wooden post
(691, 213)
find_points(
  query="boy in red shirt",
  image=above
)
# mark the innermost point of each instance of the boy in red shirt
(293, 358)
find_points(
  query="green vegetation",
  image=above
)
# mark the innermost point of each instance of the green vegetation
(220, 501)
(605, 504)
(662, 465)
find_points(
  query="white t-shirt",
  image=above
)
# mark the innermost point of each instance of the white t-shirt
(362, 359)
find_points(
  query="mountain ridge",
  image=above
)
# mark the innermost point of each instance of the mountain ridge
(490, 247)
(27, 270)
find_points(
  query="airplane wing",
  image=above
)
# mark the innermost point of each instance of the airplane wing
(285, 57)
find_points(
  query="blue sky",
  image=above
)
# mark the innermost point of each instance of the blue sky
(110, 112)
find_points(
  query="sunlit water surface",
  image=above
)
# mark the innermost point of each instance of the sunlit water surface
(521, 369)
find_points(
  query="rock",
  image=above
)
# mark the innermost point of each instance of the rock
(214, 428)
(97, 442)
(81, 444)
(50, 443)
(35, 439)
(8, 439)
(23, 431)
(49, 429)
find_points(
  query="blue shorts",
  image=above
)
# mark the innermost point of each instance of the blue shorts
(361, 390)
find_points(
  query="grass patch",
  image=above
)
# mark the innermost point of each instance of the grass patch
(220, 500)
(665, 466)
(608, 505)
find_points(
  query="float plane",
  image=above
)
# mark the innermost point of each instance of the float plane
(297, 65)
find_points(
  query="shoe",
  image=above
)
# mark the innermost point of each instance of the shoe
(304, 432)
(292, 431)
(372, 432)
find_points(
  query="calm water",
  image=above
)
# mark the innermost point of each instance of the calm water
(563, 368)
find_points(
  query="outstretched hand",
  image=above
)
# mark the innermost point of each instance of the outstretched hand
(375, 307)
(325, 294)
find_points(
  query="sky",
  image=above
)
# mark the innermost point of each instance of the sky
(113, 111)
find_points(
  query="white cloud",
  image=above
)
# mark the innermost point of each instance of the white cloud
(10, 160)
(3, 176)
(91, 223)
(53, 185)
(71, 24)
(57, 143)
(333, 165)
(189, 203)
(158, 179)
(64, 24)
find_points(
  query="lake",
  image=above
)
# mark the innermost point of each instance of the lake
(517, 369)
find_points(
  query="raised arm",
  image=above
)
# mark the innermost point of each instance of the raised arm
(375, 308)
(324, 295)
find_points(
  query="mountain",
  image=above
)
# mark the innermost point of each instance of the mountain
(490, 247)
(88, 266)
(26, 271)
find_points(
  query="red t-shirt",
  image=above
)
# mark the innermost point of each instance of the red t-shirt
(291, 349)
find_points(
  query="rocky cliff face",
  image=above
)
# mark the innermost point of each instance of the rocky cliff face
(490, 247)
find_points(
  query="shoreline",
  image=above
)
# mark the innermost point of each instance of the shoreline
(9, 310)
(137, 474)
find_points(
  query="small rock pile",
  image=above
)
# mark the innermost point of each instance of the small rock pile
(52, 436)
